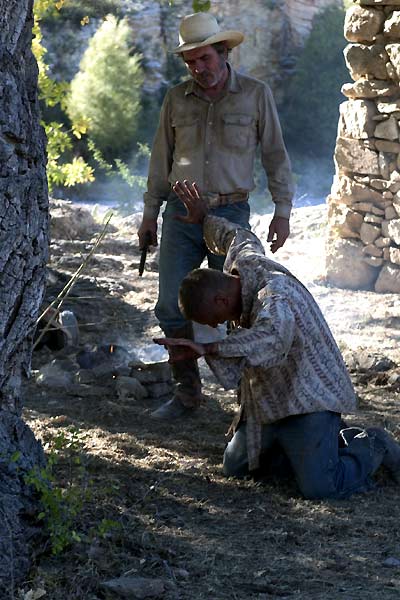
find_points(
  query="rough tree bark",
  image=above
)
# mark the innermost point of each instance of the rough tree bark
(23, 245)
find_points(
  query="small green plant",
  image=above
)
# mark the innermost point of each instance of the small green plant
(61, 505)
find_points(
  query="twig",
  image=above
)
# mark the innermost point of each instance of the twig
(58, 301)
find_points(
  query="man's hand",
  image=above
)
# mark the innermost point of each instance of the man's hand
(181, 349)
(147, 226)
(189, 194)
(278, 233)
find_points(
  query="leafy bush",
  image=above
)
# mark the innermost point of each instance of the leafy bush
(62, 167)
(310, 112)
(107, 89)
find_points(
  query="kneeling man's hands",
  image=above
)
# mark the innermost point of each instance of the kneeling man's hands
(181, 348)
(196, 207)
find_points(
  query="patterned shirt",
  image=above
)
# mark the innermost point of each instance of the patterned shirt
(281, 356)
(213, 142)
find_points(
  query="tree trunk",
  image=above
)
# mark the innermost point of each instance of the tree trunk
(23, 244)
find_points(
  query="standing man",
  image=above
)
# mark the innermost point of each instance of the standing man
(210, 127)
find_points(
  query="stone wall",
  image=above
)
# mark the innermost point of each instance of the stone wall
(363, 249)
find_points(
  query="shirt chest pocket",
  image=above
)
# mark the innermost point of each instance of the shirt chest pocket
(238, 132)
(186, 133)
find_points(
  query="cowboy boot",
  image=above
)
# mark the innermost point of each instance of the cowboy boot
(187, 394)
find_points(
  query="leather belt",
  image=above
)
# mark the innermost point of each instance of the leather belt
(214, 200)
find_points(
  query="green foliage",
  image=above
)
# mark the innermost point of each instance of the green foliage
(310, 111)
(62, 169)
(106, 91)
(60, 506)
(201, 5)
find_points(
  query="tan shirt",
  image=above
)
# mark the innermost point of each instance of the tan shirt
(213, 142)
(281, 355)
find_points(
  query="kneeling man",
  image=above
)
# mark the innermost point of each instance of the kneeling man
(281, 356)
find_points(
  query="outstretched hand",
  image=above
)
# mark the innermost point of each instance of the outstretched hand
(196, 207)
(278, 233)
(181, 348)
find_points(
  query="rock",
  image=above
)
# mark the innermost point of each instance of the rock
(380, 2)
(344, 221)
(382, 242)
(362, 24)
(349, 191)
(394, 255)
(362, 60)
(373, 261)
(394, 230)
(374, 219)
(135, 587)
(388, 129)
(386, 146)
(152, 373)
(372, 250)
(384, 161)
(356, 119)
(388, 279)
(385, 228)
(353, 155)
(390, 213)
(391, 562)
(346, 267)
(128, 387)
(393, 51)
(389, 107)
(365, 88)
(372, 361)
(56, 374)
(392, 25)
(369, 233)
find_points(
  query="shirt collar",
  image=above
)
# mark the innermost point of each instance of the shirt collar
(233, 84)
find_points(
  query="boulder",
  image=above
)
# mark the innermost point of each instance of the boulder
(344, 221)
(369, 233)
(366, 88)
(354, 156)
(388, 129)
(356, 119)
(394, 230)
(388, 279)
(362, 24)
(362, 60)
(394, 255)
(346, 266)
(392, 25)
(393, 51)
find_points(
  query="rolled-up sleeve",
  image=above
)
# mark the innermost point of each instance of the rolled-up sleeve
(158, 187)
(274, 156)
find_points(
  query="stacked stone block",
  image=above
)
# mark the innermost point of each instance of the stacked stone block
(363, 249)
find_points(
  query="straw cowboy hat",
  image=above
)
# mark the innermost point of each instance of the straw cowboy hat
(202, 29)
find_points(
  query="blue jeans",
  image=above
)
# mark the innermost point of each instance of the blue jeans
(182, 249)
(327, 461)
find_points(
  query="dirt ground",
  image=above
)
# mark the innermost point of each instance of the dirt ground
(157, 505)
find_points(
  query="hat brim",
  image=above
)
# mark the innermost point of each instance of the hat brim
(233, 38)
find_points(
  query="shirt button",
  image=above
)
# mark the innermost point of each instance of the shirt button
(210, 122)
(207, 161)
